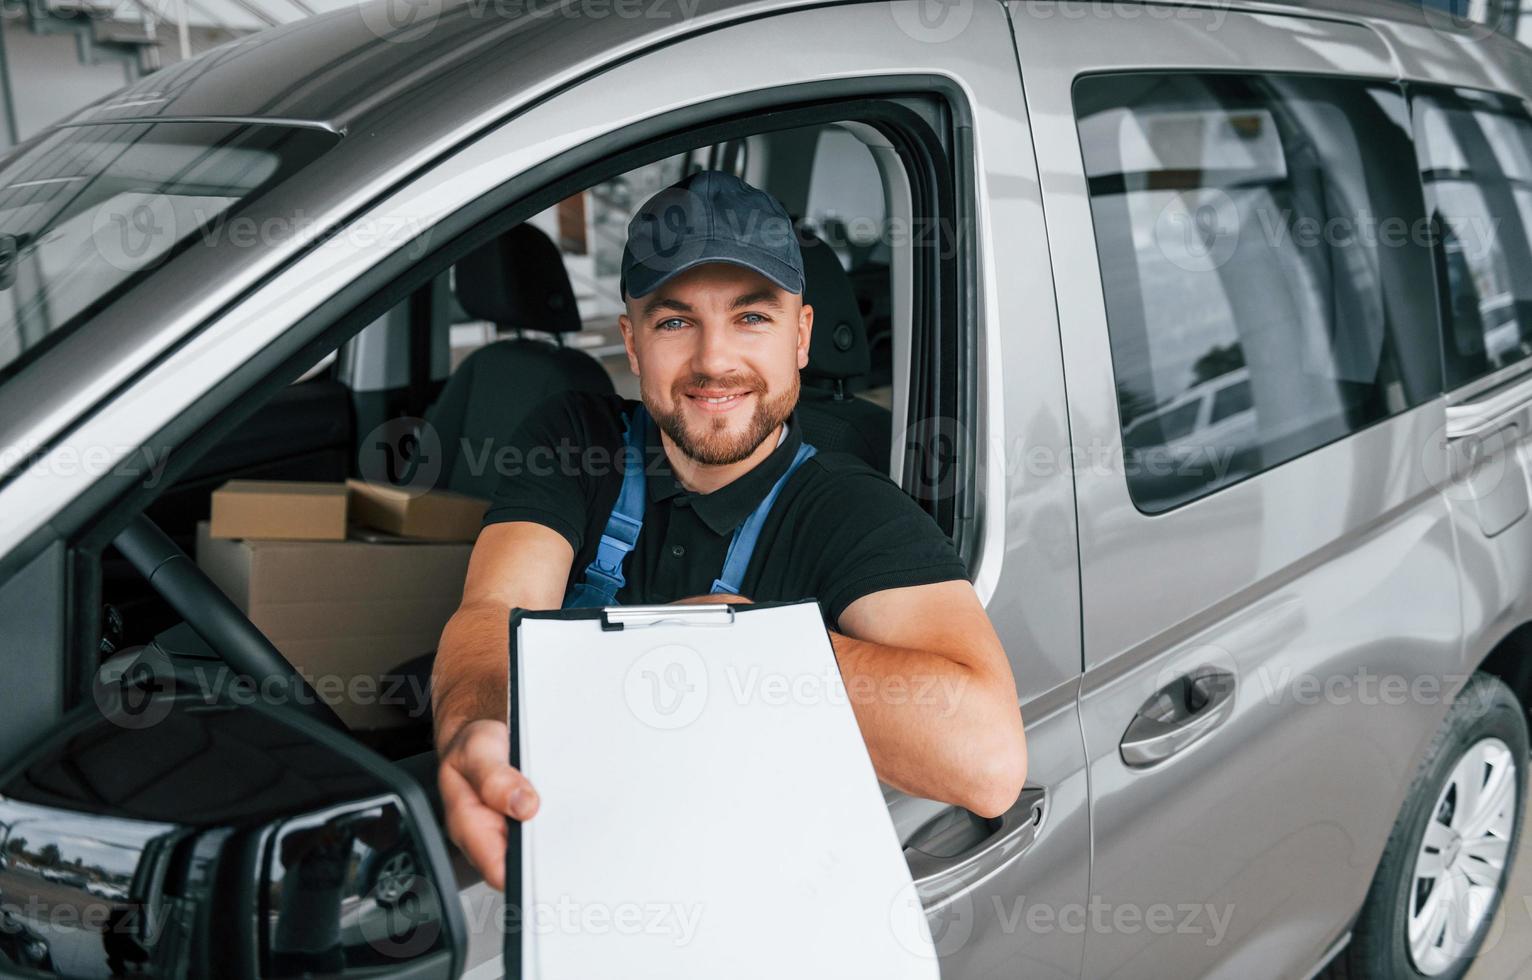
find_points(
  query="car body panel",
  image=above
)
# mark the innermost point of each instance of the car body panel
(1487, 435)
(1335, 566)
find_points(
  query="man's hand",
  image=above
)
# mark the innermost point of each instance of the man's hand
(933, 693)
(712, 599)
(515, 565)
(479, 790)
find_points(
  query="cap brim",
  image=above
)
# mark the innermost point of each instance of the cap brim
(643, 280)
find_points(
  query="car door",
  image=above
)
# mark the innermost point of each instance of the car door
(1004, 897)
(1270, 631)
(1474, 146)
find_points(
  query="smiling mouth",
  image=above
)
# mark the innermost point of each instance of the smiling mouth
(719, 403)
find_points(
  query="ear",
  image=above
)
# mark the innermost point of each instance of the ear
(805, 331)
(626, 326)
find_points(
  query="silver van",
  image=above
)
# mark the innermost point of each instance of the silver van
(1202, 328)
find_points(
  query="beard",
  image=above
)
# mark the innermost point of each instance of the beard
(713, 442)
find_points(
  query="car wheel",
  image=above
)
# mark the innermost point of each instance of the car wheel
(1444, 869)
(396, 876)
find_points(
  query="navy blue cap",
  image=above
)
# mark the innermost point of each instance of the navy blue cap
(710, 216)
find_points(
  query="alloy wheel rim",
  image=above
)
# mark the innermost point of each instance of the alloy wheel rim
(1460, 861)
(394, 877)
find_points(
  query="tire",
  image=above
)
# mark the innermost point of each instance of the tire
(394, 877)
(1488, 721)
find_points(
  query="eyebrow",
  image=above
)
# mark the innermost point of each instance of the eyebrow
(761, 297)
(664, 303)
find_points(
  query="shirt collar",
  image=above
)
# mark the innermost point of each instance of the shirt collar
(726, 508)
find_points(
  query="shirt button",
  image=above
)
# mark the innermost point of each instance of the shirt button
(677, 551)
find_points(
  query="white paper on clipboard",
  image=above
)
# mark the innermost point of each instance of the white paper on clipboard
(708, 805)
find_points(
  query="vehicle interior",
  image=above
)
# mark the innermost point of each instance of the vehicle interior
(466, 355)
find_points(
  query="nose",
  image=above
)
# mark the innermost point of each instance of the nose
(715, 355)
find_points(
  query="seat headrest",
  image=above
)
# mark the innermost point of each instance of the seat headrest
(518, 282)
(838, 348)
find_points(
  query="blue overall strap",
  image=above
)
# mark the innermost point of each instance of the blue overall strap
(743, 544)
(603, 577)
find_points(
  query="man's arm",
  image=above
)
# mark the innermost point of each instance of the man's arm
(933, 694)
(516, 564)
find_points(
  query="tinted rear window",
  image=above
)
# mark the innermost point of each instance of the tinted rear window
(1263, 224)
(87, 211)
(1476, 163)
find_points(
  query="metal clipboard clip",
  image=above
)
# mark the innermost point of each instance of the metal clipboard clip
(621, 617)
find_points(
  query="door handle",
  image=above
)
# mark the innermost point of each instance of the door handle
(956, 847)
(1179, 714)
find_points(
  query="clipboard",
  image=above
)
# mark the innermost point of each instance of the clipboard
(708, 805)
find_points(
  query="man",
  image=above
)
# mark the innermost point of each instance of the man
(728, 504)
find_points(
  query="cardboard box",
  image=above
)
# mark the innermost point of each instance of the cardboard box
(438, 515)
(279, 510)
(343, 612)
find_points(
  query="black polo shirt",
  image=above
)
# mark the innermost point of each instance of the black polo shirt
(838, 531)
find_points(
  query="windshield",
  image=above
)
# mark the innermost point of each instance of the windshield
(86, 211)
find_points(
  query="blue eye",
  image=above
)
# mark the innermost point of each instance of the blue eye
(673, 323)
(758, 319)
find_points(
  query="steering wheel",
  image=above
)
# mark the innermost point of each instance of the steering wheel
(215, 618)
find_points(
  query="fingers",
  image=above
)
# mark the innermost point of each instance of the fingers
(479, 790)
(712, 598)
(479, 754)
(478, 831)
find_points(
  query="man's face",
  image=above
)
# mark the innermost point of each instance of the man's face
(717, 352)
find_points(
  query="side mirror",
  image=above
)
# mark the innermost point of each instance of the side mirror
(166, 836)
